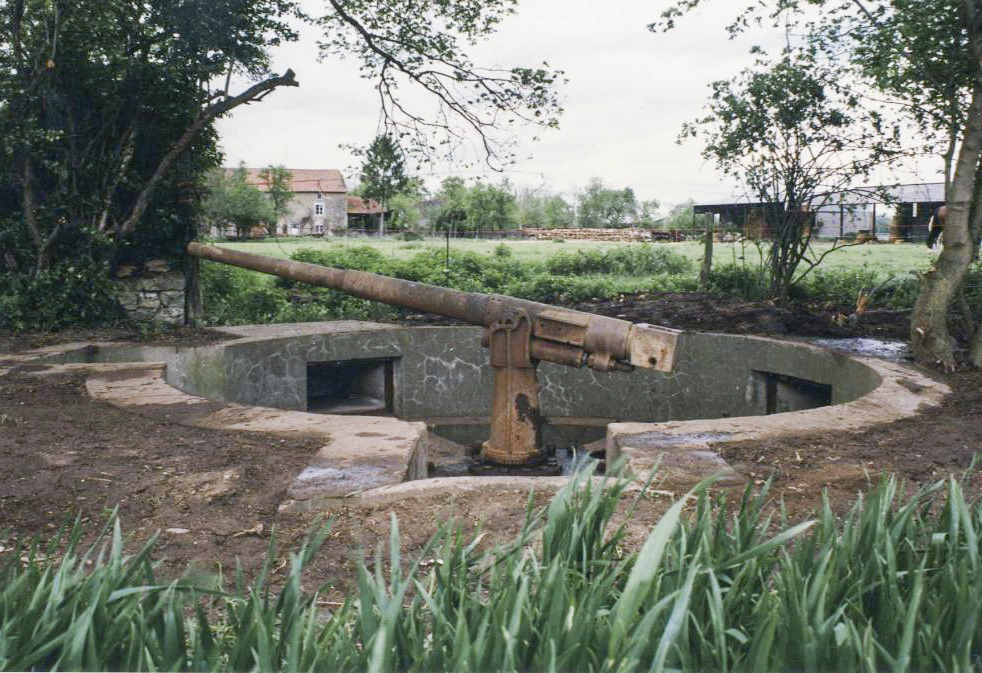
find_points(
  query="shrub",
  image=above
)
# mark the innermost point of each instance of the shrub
(840, 287)
(623, 260)
(468, 271)
(361, 257)
(68, 294)
(739, 281)
(233, 296)
(502, 250)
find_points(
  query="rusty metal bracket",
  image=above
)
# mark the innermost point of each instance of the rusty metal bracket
(516, 424)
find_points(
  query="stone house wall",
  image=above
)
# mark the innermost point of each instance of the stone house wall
(303, 220)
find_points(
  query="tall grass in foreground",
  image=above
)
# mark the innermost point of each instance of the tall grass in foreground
(892, 585)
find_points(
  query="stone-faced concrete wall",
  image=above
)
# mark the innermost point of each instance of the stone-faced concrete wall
(155, 295)
(443, 372)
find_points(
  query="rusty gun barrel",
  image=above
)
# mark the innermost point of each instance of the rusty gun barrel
(560, 335)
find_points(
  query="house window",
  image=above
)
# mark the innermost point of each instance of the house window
(320, 197)
(319, 228)
(318, 209)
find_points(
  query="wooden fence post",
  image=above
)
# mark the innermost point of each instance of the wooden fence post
(707, 252)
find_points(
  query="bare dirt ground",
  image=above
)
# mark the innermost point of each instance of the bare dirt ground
(213, 496)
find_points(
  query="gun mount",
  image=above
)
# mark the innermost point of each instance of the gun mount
(518, 334)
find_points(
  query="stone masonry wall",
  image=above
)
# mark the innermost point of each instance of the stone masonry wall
(152, 294)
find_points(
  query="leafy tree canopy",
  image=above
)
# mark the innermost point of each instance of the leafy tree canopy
(481, 206)
(233, 201)
(383, 170)
(279, 189)
(598, 206)
(923, 60)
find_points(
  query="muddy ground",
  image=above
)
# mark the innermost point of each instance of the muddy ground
(213, 496)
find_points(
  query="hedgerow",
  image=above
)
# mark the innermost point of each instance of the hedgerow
(242, 297)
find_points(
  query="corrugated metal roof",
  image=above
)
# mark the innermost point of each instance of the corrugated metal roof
(923, 192)
(320, 181)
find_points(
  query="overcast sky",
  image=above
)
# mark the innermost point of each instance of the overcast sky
(629, 92)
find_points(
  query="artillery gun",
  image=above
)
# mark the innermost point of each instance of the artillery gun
(518, 334)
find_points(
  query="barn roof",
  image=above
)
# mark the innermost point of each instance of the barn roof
(359, 206)
(317, 180)
(922, 192)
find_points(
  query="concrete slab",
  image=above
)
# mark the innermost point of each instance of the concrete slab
(901, 393)
(360, 452)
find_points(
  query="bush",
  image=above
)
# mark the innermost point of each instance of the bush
(233, 296)
(68, 294)
(837, 287)
(622, 260)
(738, 281)
(360, 257)
(468, 271)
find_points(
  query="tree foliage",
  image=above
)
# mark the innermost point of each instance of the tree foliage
(923, 60)
(106, 114)
(383, 170)
(543, 210)
(405, 211)
(599, 206)
(680, 216)
(796, 140)
(233, 201)
(279, 189)
(558, 212)
(480, 207)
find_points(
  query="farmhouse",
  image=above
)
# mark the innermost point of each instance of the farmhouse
(319, 206)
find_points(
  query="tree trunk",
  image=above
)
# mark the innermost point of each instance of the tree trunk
(976, 353)
(975, 231)
(193, 309)
(929, 337)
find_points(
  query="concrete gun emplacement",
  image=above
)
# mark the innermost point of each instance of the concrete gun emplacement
(518, 334)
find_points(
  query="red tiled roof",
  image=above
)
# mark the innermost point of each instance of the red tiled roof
(359, 206)
(323, 181)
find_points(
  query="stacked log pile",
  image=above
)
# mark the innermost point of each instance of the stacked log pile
(621, 235)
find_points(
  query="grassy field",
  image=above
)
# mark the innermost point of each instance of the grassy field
(884, 259)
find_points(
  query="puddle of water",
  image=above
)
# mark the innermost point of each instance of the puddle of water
(888, 350)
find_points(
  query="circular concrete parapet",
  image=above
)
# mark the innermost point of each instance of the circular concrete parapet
(269, 378)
